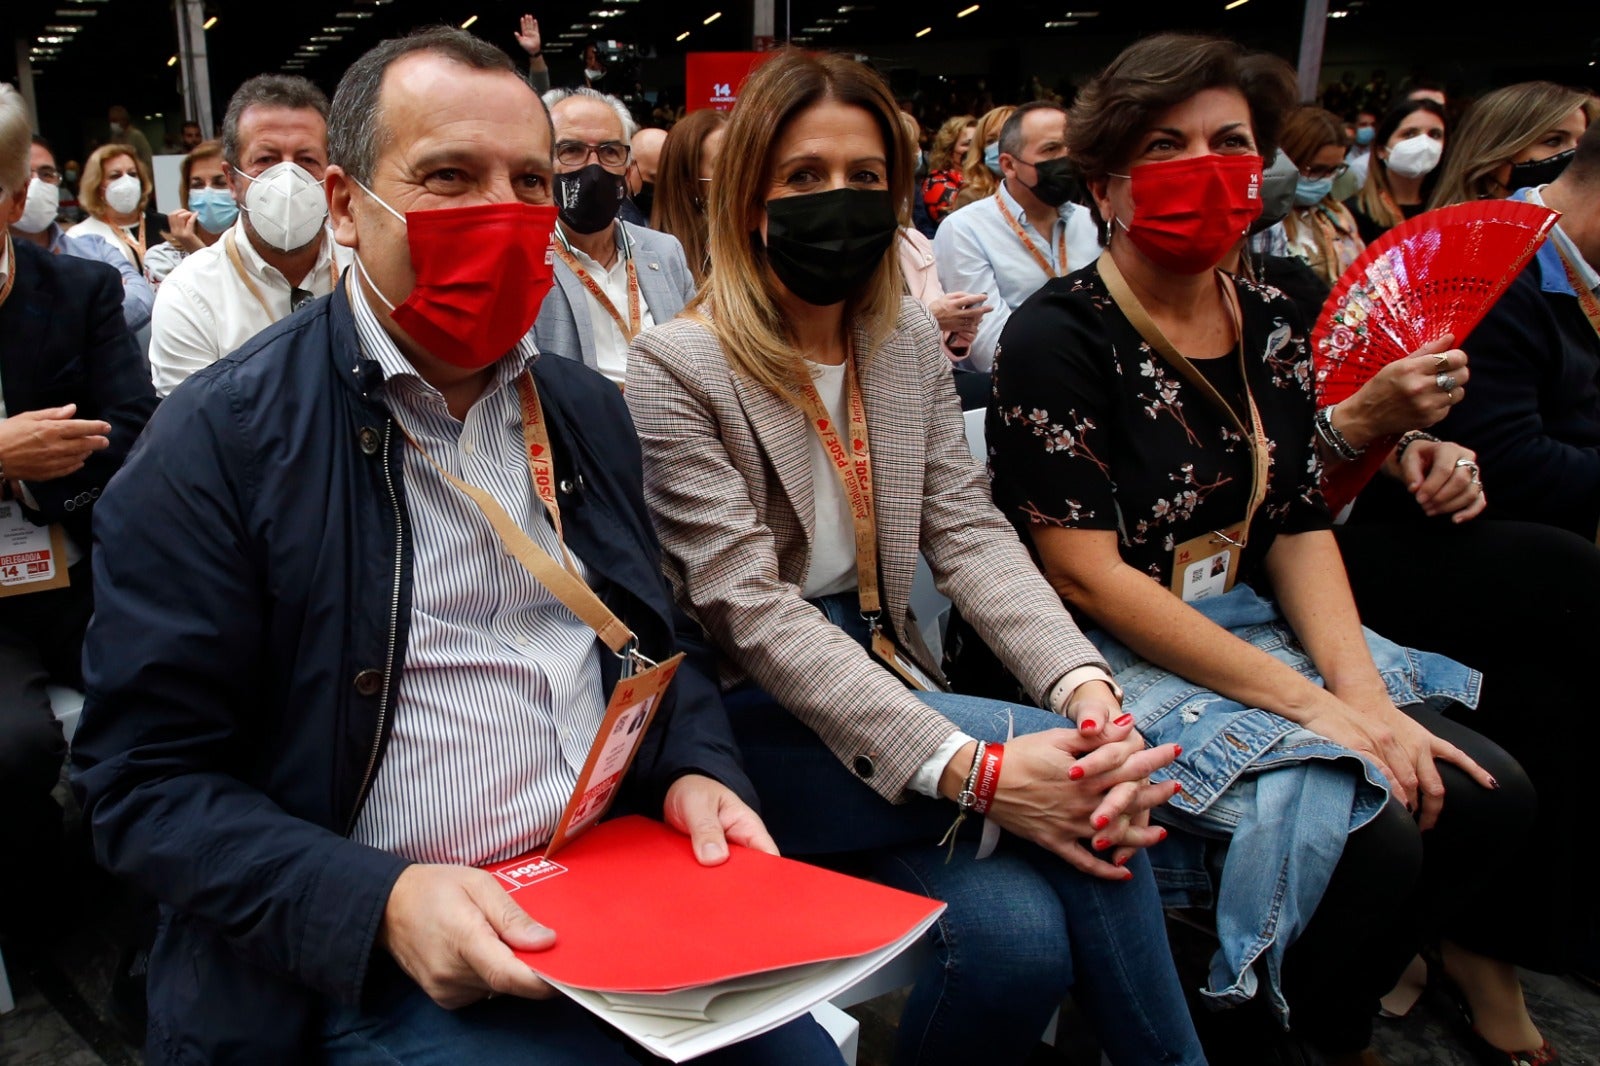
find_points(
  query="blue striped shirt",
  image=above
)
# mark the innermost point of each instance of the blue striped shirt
(500, 694)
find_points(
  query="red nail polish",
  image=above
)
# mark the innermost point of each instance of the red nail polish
(1121, 860)
(1127, 875)
(1101, 844)
(1101, 821)
(1177, 750)
(1163, 835)
(1076, 773)
(1126, 719)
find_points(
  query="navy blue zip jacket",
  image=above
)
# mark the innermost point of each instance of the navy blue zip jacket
(252, 578)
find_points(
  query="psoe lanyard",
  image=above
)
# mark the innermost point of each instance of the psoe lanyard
(630, 328)
(249, 283)
(1027, 242)
(1140, 319)
(1586, 298)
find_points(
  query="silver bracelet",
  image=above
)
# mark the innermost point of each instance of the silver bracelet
(1336, 441)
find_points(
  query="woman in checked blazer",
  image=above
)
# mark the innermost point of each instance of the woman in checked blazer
(759, 525)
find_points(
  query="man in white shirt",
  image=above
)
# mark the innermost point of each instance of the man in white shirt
(1028, 232)
(277, 256)
(613, 279)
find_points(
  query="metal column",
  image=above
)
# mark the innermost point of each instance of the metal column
(25, 82)
(762, 30)
(192, 61)
(1311, 36)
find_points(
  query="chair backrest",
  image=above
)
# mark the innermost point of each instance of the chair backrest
(975, 442)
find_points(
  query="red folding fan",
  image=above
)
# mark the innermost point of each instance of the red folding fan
(1437, 273)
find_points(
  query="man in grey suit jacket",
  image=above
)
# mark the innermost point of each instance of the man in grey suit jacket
(613, 279)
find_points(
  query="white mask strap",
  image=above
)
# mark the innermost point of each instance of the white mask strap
(362, 269)
(380, 201)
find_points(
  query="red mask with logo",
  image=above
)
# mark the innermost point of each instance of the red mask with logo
(482, 273)
(1187, 213)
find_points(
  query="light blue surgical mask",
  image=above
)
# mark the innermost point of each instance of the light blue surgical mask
(1364, 135)
(214, 209)
(991, 157)
(1308, 193)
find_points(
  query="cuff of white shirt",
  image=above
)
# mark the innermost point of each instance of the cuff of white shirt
(925, 782)
(1061, 693)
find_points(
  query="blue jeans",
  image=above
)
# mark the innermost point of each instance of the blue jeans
(398, 1024)
(1021, 928)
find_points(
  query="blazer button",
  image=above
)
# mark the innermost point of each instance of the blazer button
(566, 487)
(71, 505)
(369, 440)
(369, 682)
(864, 766)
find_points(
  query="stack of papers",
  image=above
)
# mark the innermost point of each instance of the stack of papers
(685, 959)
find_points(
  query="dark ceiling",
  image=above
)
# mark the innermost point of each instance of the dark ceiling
(122, 51)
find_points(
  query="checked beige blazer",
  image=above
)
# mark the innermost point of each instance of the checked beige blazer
(728, 478)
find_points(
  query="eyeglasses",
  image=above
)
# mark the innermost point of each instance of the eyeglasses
(576, 153)
(48, 175)
(1318, 173)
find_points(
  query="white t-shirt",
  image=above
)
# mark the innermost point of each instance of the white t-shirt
(833, 538)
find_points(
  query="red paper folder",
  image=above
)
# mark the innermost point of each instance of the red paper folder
(634, 911)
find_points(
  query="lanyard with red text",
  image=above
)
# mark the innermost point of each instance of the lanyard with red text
(1586, 297)
(630, 328)
(1016, 227)
(852, 461)
(11, 270)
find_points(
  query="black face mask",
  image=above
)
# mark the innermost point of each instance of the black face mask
(1059, 181)
(1539, 171)
(645, 198)
(587, 200)
(824, 246)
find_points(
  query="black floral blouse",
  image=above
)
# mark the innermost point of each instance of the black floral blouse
(1090, 428)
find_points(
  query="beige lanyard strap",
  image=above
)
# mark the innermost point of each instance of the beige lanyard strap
(137, 246)
(1027, 242)
(1586, 298)
(852, 461)
(563, 583)
(1140, 319)
(629, 328)
(11, 270)
(249, 282)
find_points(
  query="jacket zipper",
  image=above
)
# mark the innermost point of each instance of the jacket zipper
(394, 620)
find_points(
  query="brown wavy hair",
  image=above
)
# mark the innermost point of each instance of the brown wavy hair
(679, 207)
(977, 180)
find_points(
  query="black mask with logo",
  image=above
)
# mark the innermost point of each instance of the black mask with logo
(824, 246)
(1539, 171)
(1059, 181)
(587, 200)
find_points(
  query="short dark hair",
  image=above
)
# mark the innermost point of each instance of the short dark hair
(355, 129)
(1159, 72)
(1585, 166)
(42, 143)
(1011, 130)
(191, 122)
(268, 90)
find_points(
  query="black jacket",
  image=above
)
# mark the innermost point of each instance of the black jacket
(254, 583)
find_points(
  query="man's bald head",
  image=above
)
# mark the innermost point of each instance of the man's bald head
(647, 151)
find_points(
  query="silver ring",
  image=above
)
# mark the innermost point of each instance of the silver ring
(1470, 465)
(1446, 382)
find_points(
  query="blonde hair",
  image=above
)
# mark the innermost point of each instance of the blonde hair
(740, 298)
(16, 137)
(941, 156)
(203, 150)
(94, 175)
(977, 180)
(1497, 127)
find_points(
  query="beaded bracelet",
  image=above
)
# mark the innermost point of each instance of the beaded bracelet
(1330, 436)
(1408, 439)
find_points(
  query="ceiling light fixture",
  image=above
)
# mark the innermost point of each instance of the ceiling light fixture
(709, 19)
(210, 22)
(470, 20)
(1236, 3)
(963, 14)
(924, 31)
(682, 35)
(172, 62)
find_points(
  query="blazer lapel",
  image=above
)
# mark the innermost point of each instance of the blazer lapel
(24, 318)
(578, 308)
(784, 434)
(660, 296)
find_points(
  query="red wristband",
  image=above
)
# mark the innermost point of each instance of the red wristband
(988, 782)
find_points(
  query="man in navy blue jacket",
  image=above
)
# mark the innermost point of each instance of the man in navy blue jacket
(319, 690)
(74, 396)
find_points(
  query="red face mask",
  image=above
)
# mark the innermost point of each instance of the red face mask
(482, 273)
(1187, 213)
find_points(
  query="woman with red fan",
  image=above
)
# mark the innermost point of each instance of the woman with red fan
(1152, 418)
(1320, 229)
